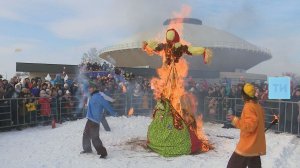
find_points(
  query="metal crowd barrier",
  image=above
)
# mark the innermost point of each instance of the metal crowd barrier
(216, 109)
(142, 105)
(16, 113)
(120, 105)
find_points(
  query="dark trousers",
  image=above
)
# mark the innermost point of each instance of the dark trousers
(91, 132)
(238, 161)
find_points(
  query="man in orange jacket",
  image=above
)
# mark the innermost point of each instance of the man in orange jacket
(252, 143)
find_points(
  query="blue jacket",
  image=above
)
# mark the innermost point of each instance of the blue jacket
(96, 107)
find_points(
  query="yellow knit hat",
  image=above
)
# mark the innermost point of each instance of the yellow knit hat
(249, 90)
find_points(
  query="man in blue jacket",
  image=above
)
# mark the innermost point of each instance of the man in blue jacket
(94, 115)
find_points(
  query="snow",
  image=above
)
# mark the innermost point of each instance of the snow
(44, 147)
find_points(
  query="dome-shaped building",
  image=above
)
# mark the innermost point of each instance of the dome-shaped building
(231, 53)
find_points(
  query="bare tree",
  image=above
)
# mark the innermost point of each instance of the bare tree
(22, 74)
(92, 56)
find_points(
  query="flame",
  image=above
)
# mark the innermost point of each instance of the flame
(170, 86)
(201, 134)
(177, 24)
(174, 24)
(170, 83)
(130, 112)
(162, 84)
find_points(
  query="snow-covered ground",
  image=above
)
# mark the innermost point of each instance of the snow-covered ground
(42, 147)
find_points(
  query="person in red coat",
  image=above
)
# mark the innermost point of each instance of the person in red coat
(44, 101)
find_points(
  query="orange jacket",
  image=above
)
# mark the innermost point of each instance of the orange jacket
(252, 126)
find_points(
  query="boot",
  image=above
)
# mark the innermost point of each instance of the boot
(87, 151)
(103, 156)
(103, 153)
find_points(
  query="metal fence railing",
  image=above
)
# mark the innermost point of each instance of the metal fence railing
(142, 105)
(216, 109)
(41, 111)
(16, 112)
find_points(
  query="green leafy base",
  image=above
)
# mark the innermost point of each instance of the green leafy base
(163, 137)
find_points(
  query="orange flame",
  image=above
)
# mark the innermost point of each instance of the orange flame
(177, 24)
(130, 112)
(174, 24)
(164, 85)
(170, 83)
(201, 134)
(161, 84)
(199, 131)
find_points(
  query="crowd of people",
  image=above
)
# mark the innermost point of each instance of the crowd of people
(33, 100)
(95, 66)
(215, 99)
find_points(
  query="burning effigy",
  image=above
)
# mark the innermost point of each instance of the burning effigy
(175, 129)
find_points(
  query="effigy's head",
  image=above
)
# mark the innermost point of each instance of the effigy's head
(172, 36)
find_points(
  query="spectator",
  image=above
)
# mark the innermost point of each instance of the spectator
(4, 108)
(137, 97)
(9, 89)
(295, 111)
(54, 104)
(44, 87)
(31, 111)
(2, 91)
(35, 90)
(45, 108)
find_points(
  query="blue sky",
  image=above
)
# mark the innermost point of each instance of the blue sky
(49, 31)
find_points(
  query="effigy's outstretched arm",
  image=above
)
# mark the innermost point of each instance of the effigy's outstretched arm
(151, 46)
(207, 53)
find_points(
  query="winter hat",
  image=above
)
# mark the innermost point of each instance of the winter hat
(249, 90)
(43, 93)
(68, 92)
(18, 87)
